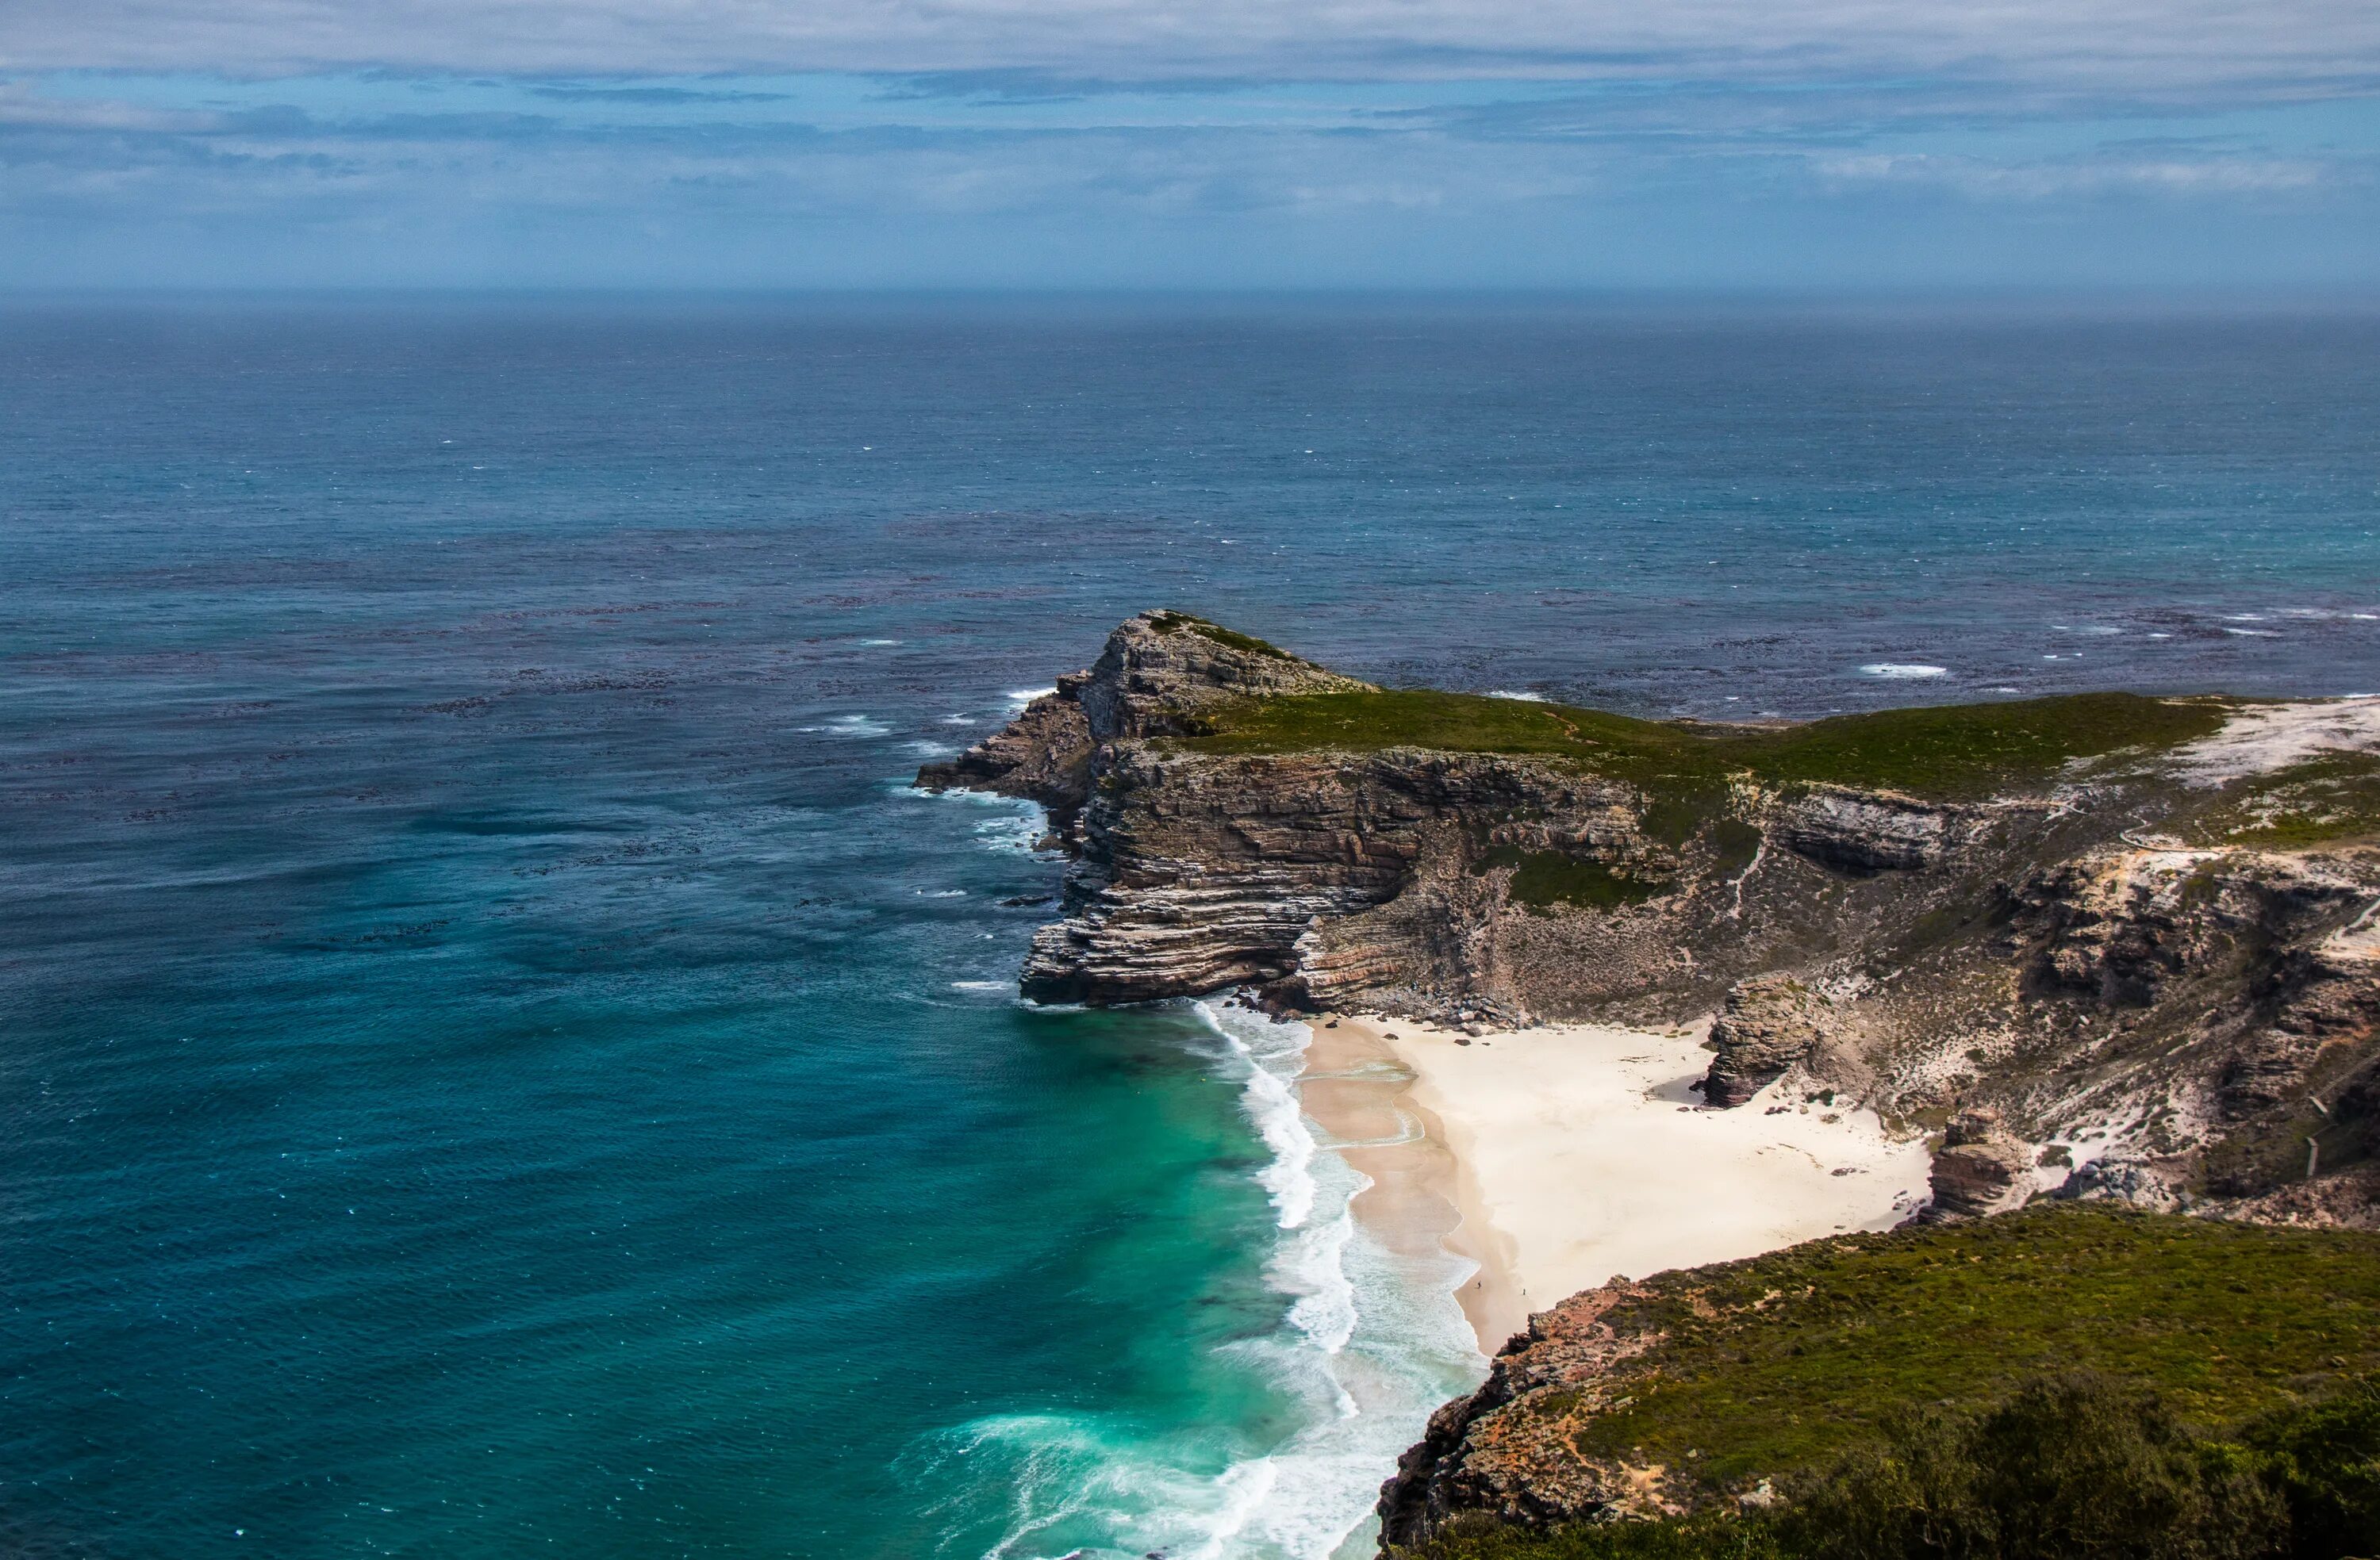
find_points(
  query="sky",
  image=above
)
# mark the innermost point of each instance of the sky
(2225, 147)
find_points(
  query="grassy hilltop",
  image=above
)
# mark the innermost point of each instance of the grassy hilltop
(2198, 1367)
(1944, 753)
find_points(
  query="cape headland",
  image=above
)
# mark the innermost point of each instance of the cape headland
(2103, 948)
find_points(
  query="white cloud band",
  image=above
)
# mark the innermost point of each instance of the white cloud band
(2100, 44)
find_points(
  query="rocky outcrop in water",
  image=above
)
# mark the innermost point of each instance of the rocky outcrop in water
(1044, 754)
(1156, 673)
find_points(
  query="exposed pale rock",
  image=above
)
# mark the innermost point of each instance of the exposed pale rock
(1160, 669)
(2121, 924)
(2260, 738)
(2143, 1182)
(1876, 831)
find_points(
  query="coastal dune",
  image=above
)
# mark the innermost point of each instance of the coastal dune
(1561, 1156)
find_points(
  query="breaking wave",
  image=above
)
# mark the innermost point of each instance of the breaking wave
(1368, 1343)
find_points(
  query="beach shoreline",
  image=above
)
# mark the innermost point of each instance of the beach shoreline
(1559, 1157)
(1421, 1199)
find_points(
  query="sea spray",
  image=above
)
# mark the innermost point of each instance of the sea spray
(1274, 1053)
(1018, 826)
(1365, 1346)
(1376, 1337)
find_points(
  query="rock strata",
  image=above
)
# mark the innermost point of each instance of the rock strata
(2139, 979)
(1766, 1024)
(1044, 754)
(2183, 1024)
(1876, 831)
(1157, 672)
(1980, 1169)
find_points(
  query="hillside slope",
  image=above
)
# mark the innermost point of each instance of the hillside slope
(1688, 1390)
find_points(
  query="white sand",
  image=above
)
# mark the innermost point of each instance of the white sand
(1580, 1154)
(2265, 737)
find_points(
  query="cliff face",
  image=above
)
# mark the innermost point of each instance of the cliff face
(2151, 1019)
(1326, 879)
(2138, 960)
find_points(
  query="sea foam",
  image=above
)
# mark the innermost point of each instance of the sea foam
(1370, 1343)
(850, 726)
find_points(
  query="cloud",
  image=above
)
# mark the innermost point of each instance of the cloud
(671, 95)
(2118, 45)
(22, 106)
(2181, 176)
(1100, 144)
(769, 162)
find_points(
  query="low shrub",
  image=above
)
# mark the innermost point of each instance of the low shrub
(2072, 1468)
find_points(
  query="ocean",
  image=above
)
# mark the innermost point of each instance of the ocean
(499, 1061)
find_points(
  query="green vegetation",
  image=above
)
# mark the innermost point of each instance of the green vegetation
(2064, 1465)
(2067, 1379)
(2334, 799)
(1734, 843)
(1549, 877)
(1945, 750)
(1676, 815)
(1973, 749)
(1178, 622)
(2226, 1320)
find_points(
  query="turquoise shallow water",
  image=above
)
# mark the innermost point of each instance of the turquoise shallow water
(497, 1063)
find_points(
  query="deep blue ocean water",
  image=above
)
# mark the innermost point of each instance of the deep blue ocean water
(496, 1062)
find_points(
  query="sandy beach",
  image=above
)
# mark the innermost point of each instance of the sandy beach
(1559, 1157)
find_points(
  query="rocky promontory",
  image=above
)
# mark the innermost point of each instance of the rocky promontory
(2139, 931)
(2108, 948)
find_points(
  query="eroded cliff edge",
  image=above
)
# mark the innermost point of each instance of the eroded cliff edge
(2104, 946)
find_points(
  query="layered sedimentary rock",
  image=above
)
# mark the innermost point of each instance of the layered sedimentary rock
(1044, 754)
(2150, 977)
(1982, 1169)
(1157, 672)
(2158, 1022)
(1877, 831)
(1766, 1024)
(1201, 872)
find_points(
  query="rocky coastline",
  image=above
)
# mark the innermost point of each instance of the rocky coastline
(2111, 948)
